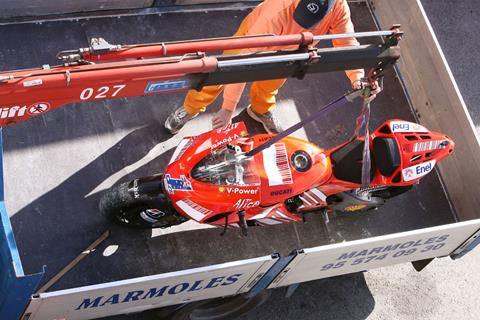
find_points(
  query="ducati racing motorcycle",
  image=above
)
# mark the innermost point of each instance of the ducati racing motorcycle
(225, 177)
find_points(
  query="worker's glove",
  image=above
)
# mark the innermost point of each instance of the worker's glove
(370, 90)
(222, 118)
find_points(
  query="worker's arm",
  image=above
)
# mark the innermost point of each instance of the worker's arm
(269, 23)
(342, 23)
(231, 95)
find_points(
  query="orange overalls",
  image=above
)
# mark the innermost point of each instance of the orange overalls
(273, 17)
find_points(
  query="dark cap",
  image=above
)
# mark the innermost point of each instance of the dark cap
(310, 12)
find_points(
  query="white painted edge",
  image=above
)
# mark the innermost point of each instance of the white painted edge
(155, 277)
(393, 236)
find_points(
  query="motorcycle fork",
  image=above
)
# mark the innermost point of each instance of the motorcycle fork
(242, 223)
(151, 186)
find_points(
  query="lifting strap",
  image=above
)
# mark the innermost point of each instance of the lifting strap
(362, 121)
(326, 108)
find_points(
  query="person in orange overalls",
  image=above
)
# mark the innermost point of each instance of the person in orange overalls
(280, 17)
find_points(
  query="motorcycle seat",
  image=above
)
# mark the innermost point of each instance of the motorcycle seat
(347, 162)
(387, 155)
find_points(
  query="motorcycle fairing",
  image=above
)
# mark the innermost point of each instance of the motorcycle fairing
(221, 183)
(275, 214)
(230, 185)
(403, 153)
(418, 151)
(279, 177)
(181, 148)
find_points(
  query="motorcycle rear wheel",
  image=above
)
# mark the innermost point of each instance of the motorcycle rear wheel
(121, 206)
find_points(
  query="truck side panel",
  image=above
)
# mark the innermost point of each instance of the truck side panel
(354, 256)
(134, 295)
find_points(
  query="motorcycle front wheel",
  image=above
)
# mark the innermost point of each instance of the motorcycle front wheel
(121, 205)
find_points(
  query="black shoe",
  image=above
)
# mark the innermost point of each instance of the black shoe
(177, 120)
(270, 123)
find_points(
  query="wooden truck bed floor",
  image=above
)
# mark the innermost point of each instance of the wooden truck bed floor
(57, 165)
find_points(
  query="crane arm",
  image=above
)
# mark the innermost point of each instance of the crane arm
(105, 71)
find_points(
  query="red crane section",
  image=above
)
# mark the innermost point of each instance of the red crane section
(105, 71)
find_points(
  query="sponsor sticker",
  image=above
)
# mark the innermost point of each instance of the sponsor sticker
(228, 128)
(405, 126)
(234, 132)
(274, 216)
(237, 190)
(193, 209)
(32, 83)
(149, 214)
(262, 139)
(313, 197)
(415, 172)
(179, 184)
(135, 189)
(281, 192)
(224, 141)
(429, 145)
(355, 207)
(246, 204)
(277, 167)
(166, 86)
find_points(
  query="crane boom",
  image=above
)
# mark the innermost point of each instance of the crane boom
(105, 71)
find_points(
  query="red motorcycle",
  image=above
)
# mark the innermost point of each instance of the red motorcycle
(228, 178)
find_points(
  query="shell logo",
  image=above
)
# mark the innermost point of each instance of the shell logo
(355, 207)
(221, 189)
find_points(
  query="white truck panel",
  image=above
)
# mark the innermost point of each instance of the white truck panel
(149, 292)
(354, 256)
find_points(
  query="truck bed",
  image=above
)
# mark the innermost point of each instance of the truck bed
(57, 165)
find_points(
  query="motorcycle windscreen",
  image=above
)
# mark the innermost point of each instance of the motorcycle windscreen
(225, 166)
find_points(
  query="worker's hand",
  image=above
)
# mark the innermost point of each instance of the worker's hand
(369, 91)
(222, 118)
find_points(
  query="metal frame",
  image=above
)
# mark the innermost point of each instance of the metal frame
(277, 269)
(467, 246)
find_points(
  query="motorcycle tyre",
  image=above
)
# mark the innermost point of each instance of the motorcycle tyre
(120, 206)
